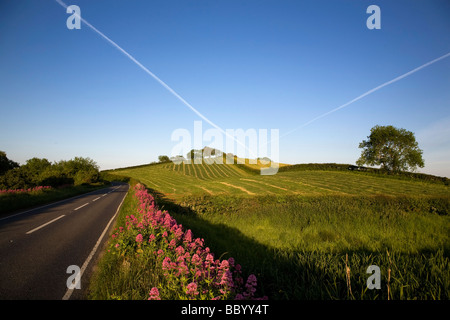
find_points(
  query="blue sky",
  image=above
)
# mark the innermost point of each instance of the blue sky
(250, 64)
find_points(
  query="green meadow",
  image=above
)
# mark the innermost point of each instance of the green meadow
(312, 234)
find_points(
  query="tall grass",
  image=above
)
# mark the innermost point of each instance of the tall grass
(297, 246)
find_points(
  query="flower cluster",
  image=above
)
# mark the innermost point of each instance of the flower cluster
(35, 189)
(189, 269)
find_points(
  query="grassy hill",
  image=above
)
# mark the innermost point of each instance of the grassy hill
(178, 180)
(300, 229)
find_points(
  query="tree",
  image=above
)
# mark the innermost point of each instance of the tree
(392, 148)
(80, 170)
(163, 159)
(14, 179)
(33, 170)
(6, 164)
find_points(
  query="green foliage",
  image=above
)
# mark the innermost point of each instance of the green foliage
(6, 164)
(408, 176)
(392, 148)
(314, 166)
(163, 159)
(34, 170)
(40, 172)
(14, 179)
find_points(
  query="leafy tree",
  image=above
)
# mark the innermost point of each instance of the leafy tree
(82, 170)
(41, 172)
(163, 159)
(55, 177)
(33, 170)
(14, 179)
(392, 148)
(6, 164)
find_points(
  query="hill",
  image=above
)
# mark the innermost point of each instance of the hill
(178, 180)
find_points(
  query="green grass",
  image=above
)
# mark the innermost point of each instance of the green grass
(297, 245)
(189, 179)
(295, 229)
(122, 277)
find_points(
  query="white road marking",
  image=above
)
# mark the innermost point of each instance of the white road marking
(81, 206)
(96, 199)
(45, 224)
(88, 259)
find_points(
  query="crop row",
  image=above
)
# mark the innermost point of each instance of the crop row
(207, 171)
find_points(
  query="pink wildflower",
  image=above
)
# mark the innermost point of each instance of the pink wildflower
(196, 259)
(188, 236)
(166, 263)
(192, 289)
(179, 250)
(250, 286)
(172, 243)
(154, 294)
(227, 279)
(224, 264)
(209, 258)
(139, 238)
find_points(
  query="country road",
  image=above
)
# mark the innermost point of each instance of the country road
(37, 246)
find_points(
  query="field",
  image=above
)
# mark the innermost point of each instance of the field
(312, 234)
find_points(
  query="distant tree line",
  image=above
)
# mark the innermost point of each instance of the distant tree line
(41, 172)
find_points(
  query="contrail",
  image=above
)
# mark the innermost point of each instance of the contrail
(368, 92)
(140, 65)
(166, 86)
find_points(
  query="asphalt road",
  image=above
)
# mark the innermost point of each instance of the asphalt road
(37, 246)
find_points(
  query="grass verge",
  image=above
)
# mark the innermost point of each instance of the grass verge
(114, 279)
